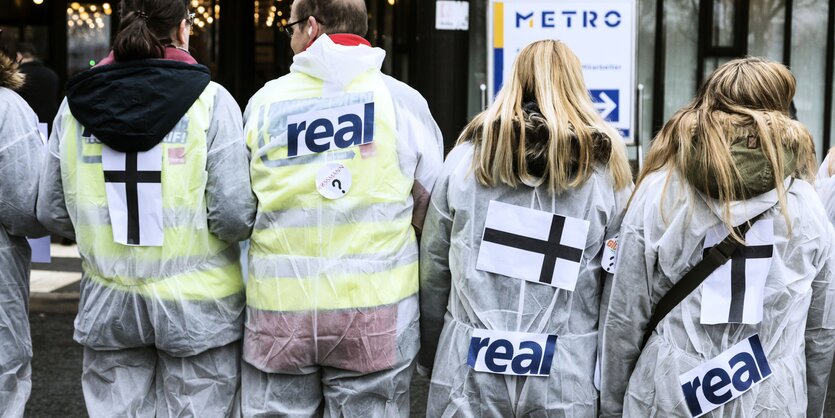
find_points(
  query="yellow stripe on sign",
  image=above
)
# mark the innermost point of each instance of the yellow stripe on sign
(332, 292)
(211, 284)
(498, 25)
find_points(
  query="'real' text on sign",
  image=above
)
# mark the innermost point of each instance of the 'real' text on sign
(511, 353)
(327, 129)
(725, 377)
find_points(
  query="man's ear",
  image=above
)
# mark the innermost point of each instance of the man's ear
(313, 28)
(182, 34)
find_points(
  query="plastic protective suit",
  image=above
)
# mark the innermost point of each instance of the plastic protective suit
(825, 185)
(21, 154)
(458, 299)
(161, 325)
(343, 160)
(660, 240)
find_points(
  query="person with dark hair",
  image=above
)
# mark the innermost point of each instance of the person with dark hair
(21, 154)
(147, 170)
(41, 89)
(343, 162)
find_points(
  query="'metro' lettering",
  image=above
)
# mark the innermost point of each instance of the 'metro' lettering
(512, 353)
(322, 130)
(725, 377)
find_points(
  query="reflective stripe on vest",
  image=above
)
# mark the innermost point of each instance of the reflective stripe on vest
(306, 234)
(192, 263)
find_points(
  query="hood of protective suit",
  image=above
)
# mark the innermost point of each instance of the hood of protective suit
(131, 106)
(756, 173)
(537, 138)
(337, 64)
(10, 77)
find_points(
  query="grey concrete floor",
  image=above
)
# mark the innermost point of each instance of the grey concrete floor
(56, 373)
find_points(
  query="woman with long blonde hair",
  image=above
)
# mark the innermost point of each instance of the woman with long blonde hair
(730, 170)
(512, 252)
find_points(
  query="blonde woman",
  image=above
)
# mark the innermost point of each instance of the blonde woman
(511, 255)
(755, 338)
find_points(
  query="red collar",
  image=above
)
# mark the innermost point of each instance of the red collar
(346, 39)
(171, 53)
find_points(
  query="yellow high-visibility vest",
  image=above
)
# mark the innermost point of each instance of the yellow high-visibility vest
(192, 264)
(309, 252)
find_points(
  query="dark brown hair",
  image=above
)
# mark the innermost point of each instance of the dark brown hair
(146, 27)
(336, 16)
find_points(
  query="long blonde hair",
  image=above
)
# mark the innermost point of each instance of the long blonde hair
(548, 72)
(748, 92)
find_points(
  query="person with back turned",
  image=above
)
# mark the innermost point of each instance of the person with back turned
(147, 170)
(343, 162)
(21, 155)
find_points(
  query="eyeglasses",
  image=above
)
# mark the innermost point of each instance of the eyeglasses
(289, 30)
(190, 18)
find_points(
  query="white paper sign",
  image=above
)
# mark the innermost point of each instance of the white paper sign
(133, 184)
(511, 353)
(452, 15)
(601, 34)
(532, 245)
(725, 377)
(333, 181)
(733, 293)
(335, 128)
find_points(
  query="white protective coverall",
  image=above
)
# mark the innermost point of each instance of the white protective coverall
(160, 325)
(825, 185)
(21, 154)
(457, 298)
(661, 239)
(332, 305)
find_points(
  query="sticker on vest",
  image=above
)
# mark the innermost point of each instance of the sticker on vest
(733, 293)
(327, 129)
(511, 353)
(610, 255)
(133, 184)
(532, 245)
(176, 156)
(725, 377)
(333, 181)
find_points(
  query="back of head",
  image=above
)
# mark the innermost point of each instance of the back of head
(336, 16)
(544, 113)
(27, 50)
(743, 107)
(146, 27)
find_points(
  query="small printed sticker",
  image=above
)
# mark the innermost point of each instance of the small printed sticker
(333, 181)
(176, 156)
(610, 255)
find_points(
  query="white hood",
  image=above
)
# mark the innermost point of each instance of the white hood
(743, 210)
(336, 64)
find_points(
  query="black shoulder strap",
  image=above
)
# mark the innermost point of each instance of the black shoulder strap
(718, 255)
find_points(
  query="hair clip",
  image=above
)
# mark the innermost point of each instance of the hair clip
(142, 15)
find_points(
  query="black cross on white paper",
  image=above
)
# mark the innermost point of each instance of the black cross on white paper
(133, 182)
(733, 294)
(532, 245)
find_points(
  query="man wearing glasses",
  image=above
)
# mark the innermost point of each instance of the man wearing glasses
(343, 162)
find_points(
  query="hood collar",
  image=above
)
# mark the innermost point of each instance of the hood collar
(336, 63)
(131, 106)
(171, 54)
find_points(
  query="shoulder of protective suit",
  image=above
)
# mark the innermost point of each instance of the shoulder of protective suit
(405, 95)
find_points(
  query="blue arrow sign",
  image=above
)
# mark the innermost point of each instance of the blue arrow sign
(607, 102)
